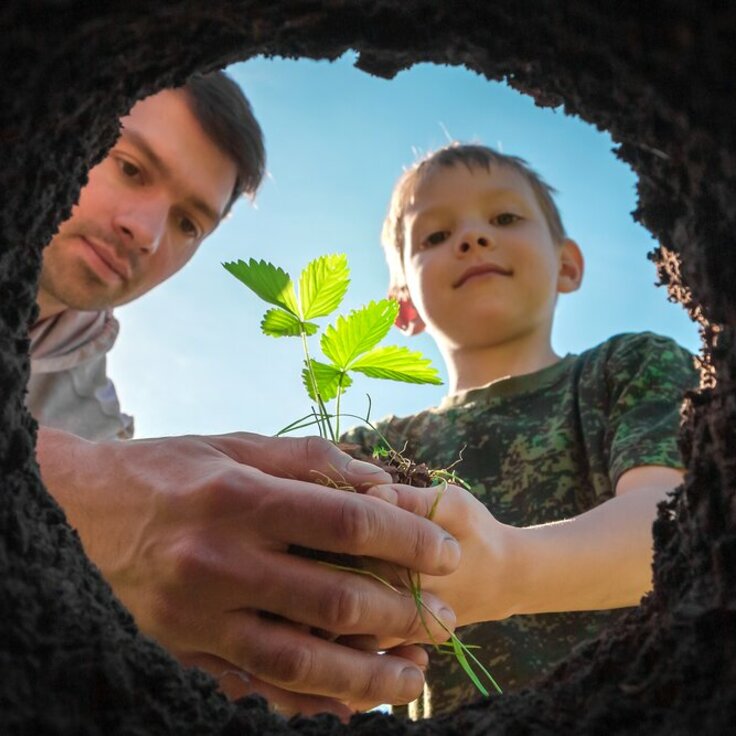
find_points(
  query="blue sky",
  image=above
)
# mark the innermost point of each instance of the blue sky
(191, 358)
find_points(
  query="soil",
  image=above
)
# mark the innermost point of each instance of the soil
(656, 75)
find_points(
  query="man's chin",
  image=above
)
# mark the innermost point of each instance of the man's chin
(93, 300)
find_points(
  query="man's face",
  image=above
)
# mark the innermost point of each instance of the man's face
(144, 211)
(479, 260)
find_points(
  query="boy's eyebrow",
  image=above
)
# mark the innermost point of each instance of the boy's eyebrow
(495, 193)
(140, 142)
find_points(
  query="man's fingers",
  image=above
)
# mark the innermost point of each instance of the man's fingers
(310, 459)
(237, 683)
(356, 524)
(310, 593)
(291, 658)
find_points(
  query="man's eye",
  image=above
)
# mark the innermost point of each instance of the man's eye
(436, 238)
(129, 169)
(505, 218)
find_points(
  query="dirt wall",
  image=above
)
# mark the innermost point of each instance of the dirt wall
(656, 75)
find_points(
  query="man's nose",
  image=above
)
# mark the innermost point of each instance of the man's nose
(141, 227)
(473, 236)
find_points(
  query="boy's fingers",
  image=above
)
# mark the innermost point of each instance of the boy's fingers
(419, 501)
(385, 492)
(416, 654)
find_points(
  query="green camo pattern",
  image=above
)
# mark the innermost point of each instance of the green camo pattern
(540, 448)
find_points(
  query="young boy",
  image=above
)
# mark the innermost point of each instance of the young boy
(567, 457)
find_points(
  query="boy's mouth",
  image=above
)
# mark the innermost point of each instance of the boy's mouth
(480, 270)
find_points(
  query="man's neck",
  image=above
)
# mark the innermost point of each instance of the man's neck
(470, 368)
(48, 306)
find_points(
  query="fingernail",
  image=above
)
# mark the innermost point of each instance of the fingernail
(360, 467)
(447, 616)
(452, 552)
(411, 684)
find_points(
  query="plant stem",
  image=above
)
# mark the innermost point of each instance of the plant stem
(324, 416)
(337, 407)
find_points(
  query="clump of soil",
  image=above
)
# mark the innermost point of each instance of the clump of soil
(401, 469)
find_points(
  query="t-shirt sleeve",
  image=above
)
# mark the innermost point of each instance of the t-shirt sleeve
(647, 377)
(364, 438)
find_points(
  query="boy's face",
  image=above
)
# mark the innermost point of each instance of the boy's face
(479, 261)
(144, 211)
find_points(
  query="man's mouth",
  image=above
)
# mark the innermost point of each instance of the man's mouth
(480, 270)
(106, 254)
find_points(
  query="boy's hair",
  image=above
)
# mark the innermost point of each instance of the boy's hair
(470, 155)
(227, 118)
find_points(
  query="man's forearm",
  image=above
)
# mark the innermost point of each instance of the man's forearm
(77, 473)
(59, 457)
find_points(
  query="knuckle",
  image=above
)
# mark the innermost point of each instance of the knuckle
(415, 625)
(420, 546)
(370, 689)
(288, 665)
(216, 496)
(356, 524)
(317, 450)
(188, 561)
(342, 611)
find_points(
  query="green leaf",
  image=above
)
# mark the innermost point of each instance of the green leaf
(463, 661)
(359, 332)
(322, 285)
(270, 282)
(278, 323)
(397, 363)
(327, 378)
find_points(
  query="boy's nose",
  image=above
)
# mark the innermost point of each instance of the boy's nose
(474, 240)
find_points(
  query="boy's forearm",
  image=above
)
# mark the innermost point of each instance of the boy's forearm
(598, 560)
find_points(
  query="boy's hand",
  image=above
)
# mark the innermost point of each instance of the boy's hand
(598, 560)
(482, 587)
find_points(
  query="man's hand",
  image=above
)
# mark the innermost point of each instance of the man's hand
(193, 532)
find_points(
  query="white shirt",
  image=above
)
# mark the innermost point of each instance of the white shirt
(69, 388)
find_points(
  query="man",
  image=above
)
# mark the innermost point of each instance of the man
(193, 532)
(147, 207)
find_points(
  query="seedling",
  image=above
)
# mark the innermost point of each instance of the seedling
(350, 345)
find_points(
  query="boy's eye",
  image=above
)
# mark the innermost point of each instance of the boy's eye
(188, 228)
(505, 218)
(436, 238)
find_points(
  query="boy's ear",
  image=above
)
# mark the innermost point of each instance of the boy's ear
(408, 319)
(572, 267)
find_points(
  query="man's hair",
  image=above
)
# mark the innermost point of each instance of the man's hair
(227, 118)
(470, 155)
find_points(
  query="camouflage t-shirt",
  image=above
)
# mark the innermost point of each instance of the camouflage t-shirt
(538, 448)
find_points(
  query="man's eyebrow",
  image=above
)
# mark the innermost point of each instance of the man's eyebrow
(140, 142)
